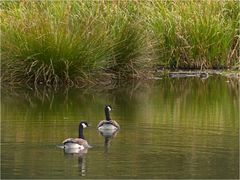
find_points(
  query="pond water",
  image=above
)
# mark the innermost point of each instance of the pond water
(170, 128)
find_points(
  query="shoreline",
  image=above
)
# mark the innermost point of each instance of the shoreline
(109, 82)
(203, 74)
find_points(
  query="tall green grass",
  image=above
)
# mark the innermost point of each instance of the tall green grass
(71, 42)
(53, 42)
(196, 34)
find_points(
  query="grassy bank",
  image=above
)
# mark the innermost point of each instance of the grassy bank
(76, 42)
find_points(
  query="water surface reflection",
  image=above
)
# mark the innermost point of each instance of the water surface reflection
(171, 128)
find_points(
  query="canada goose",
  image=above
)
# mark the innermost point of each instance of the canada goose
(79, 143)
(108, 124)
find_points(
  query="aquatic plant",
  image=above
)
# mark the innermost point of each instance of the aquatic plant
(192, 34)
(52, 42)
(77, 42)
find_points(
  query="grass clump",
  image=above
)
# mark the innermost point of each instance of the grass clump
(130, 57)
(52, 42)
(74, 42)
(191, 34)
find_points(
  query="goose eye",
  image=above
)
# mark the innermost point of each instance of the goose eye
(84, 125)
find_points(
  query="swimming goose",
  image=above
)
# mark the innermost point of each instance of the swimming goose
(77, 143)
(108, 124)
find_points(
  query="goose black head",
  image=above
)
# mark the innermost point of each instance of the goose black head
(107, 110)
(83, 124)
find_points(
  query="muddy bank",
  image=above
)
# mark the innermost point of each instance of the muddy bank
(195, 73)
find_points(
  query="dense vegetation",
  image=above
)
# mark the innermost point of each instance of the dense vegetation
(75, 42)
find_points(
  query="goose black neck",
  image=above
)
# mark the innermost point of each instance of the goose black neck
(81, 132)
(107, 114)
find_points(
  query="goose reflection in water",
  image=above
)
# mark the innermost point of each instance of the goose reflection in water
(81, 156)
(108, 135)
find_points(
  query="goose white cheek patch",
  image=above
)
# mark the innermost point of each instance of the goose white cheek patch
(109, 108)
(84, 125)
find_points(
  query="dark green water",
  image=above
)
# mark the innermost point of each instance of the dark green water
(171, 128)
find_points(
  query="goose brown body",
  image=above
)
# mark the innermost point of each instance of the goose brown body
(78, 141)
(108, 122)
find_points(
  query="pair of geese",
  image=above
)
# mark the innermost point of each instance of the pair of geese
(81, 143)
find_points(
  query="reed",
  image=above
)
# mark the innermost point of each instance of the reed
(53, 42)
(192, 34)
(74, 42)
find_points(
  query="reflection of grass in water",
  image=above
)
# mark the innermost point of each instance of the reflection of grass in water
(196, 103)
(191, 98)
(82, 41)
